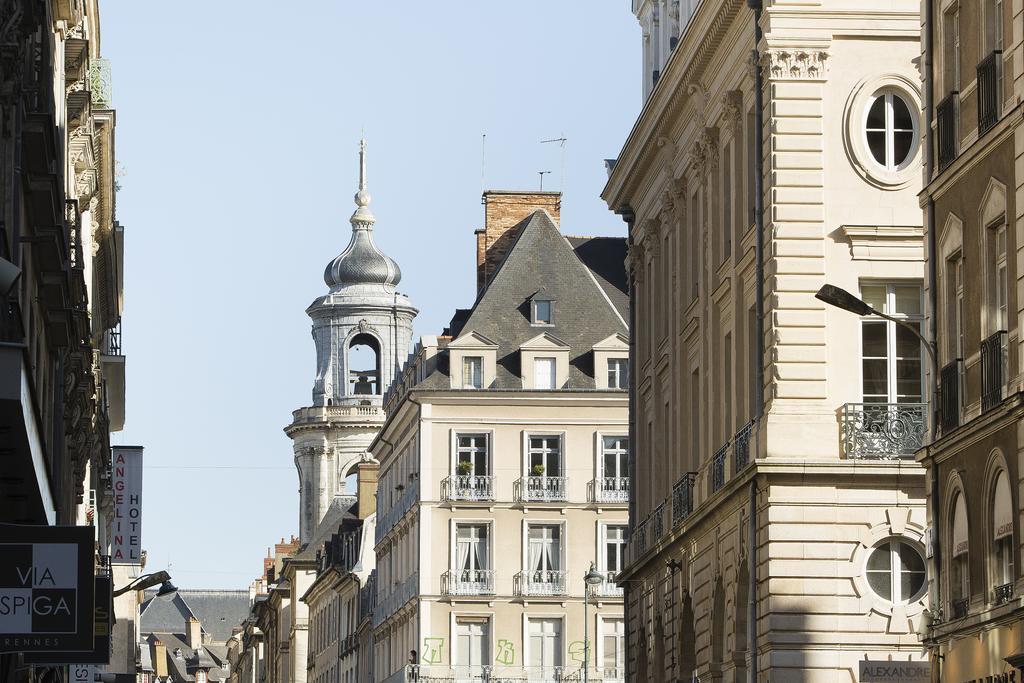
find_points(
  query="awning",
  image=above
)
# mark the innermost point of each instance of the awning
(959, 526)
(1002, 514)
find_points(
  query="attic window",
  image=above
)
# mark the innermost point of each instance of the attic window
(542, 311)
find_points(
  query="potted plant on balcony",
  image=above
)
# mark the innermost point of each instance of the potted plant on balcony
(537, 471)
(464, 468)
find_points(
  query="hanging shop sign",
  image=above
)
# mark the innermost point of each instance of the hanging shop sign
(47, 588)
(126, 479)
(103, 618)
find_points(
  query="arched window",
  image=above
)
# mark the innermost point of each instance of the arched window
(1002, 539)
(890, 129)
(959, 571)
(363, 365)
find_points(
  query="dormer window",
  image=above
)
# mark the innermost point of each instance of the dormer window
(542, 312)
(618, 373)
(543, 373)
(472, 372)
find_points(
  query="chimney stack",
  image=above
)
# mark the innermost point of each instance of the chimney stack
(194, 633)
(159, 659)
(366, 488)
(503, 211)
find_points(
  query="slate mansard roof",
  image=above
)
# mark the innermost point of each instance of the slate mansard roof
(217, 610)
(585, 277)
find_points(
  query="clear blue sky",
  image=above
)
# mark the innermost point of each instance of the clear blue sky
(237, 133)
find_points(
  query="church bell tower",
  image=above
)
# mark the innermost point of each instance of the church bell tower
(362, 328)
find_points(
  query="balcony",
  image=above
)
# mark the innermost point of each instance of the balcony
(883, 431)
(543, 489)
(112, 367)
(945, 128)
(468, 582)
(608, 588)
(470, 487)
(960, 608)
(1003, 593)
(741, 447)
(658, 526)
(540, 582)
(993, 364)
(989, 91)
(610, 490)
(949, 396)
(718, 468)
(682, 497)
(421, 673)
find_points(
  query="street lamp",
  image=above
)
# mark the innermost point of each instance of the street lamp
(141, 583)
(840, 298)
(591, 578)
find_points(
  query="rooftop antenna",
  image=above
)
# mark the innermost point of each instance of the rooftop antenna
(561, 143)
(483, 162)
(542, 174)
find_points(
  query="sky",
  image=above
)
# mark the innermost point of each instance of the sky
(238, 125)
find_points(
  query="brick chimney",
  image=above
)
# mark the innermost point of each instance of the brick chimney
(159, 659)
(193, 633)
(366, 488)
(504, 210)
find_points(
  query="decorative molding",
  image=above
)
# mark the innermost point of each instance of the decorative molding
(732, 111)
(885, 242)
(795, 64)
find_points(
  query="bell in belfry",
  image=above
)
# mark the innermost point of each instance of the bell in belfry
(363, 385)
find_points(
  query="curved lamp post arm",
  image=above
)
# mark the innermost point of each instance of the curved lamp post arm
(148, 581)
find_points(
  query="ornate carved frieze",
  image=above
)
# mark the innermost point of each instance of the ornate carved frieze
(732, 110)
(704, 152)
(795, 64)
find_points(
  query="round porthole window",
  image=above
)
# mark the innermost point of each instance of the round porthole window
(890, 130)
(895, 571)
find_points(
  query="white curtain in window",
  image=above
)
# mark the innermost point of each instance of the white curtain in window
(536, 547)
(462, 552)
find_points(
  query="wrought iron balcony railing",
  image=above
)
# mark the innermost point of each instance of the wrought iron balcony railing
(637, 545)
(468, 582)
(993, 369)
(611, 490)
(468, 487)
(718, 468)
(682, 497)
(1003, 593)
(949, 396)
(946, 129)
(541, 582)
(112, 340)
(544, 489)
(608, 587)
(741, 447)
(989, 91)
(658, 526)
(960, 608)
(883, 431)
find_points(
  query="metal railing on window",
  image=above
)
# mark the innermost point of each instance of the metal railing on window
(946, 129)
(741, 447)
(468, 582)
(541, 582)
(1003, 593)
(989, 91)
(658, 522)
(949, 396)
(544, 489)
(882, 431)
(608, 587)
(611, 490)
(112, 340)
(682, 497)
(718, 468)
(468, 487)
(993, 364)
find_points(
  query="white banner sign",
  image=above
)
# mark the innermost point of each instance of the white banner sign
(126, 545)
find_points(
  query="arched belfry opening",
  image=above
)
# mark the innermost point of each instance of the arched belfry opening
(364, 365)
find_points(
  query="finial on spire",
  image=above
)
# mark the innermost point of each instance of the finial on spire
(362, 218)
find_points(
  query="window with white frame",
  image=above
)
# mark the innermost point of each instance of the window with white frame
(895, 571)
(473, 646)
(545, 456)
(891, 366)
(618, 373)
(472, 456)
(542, 311)
(543, 373)
(544, 551)
(954, 306)
(1002, 533)
(472, 551)
(614, 474)
(997, 284)
(613, 649)
(959, 575)
(890, 129)
(545, 648)
(472, 372)
(613, 548)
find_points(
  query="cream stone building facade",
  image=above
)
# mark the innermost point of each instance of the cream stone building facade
(504, 467)
(778, 524)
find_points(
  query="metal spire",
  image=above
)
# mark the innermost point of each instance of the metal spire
(363, 218)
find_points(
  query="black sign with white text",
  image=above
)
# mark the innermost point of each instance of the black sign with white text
(103, 613)
(46, 588)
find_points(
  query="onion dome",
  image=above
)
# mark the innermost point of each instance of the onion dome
(362, 262)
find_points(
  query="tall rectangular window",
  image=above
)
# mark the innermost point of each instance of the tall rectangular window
(545, 648)
(951, 47)
(545, 456)
(727, 395)
(997, 284)
(955, 307)
(618, 373)
(472, 372)
(890, 354)
(694, 244)
(472, 643)
(752, 363)
(727, 182)
(471, 455)
(544, 550)
(695, 412)
(615, 457)
(751, 168)
(471, 551)
(614, 543)
(613, 650)
(543, 373)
